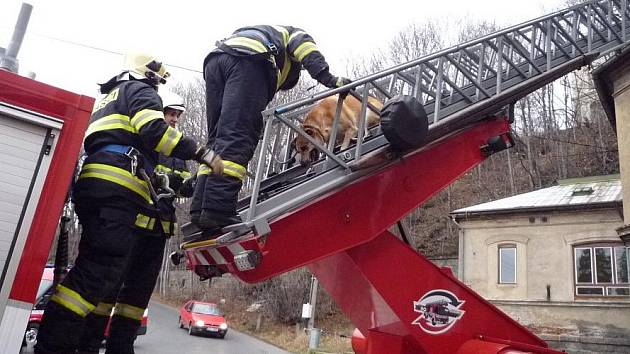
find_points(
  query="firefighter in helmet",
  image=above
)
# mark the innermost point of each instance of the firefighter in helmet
(242, 75)
(115, 200)
(135, 288)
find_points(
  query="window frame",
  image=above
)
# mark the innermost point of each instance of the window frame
(507, 246)
(605, 287)
(612, 266)
(575, 267)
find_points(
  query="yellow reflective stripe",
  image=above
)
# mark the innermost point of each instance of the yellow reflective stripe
(145, 116)
(71, 300)
(162, 168)
(129, 311)
(145, 222)
(235, 170)
(166, 226)
(103, 309)
(304, 49)
(229, 168)
(112, 121)
(183, 174)
(117, 175)
(203, 170)
(285, 33)
(169, 140)
(247, 42)
(295, 34)
(285, 71)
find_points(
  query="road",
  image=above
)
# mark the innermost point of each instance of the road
(165, 337)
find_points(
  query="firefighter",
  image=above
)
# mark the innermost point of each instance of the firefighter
(115, 201)
(242, 75)
(138, 283)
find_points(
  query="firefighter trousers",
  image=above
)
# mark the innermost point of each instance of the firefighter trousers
(128, 300)
(237, 91)
(107, 242)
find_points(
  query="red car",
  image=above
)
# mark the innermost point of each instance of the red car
(202, 317)
(44, 292)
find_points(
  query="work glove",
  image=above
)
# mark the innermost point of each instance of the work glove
(341, 81)
(210, 158)
(175, 181)
(331, 81)
(188, 187)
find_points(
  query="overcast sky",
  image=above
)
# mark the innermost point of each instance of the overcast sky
(182, 32)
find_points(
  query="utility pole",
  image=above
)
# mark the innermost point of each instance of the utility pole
(8, 57)
(314, 333)
(313, 301)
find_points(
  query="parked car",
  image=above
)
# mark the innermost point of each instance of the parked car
(44, 292)
(203, 318)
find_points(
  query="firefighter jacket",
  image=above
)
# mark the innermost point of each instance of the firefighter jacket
(177, 172)
(287, 48)
(129, 115)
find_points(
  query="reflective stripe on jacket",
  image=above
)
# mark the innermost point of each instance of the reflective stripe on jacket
(288, 48)
(130, 114)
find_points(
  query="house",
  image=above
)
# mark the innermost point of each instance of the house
(552, 260)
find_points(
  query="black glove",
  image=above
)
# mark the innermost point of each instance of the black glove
(342, 81)
(331, 81)
(188, 187)
(174, 181)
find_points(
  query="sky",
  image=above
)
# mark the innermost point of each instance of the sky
(182, 32)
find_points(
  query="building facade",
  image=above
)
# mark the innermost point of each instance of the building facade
(552, 260)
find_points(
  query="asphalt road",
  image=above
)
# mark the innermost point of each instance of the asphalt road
(165, 337)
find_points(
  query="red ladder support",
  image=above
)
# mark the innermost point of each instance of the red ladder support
(377, 285)
(402, 302)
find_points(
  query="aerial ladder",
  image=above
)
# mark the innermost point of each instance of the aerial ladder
(333, 216)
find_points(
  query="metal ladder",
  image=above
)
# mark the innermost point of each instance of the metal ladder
(458, 86)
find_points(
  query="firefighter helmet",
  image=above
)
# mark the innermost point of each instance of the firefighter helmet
(172, 100)
(146, 67)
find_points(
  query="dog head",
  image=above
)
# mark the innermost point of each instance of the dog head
(306, 152)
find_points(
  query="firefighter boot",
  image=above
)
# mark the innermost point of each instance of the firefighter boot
(122, 335)
(94, 332)
(212, 222)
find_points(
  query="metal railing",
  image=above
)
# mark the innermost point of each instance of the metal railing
(457, 86)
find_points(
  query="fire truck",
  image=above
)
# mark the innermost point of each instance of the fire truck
(41, 133)
(445, 113)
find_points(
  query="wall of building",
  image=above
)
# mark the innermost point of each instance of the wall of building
(544, 243)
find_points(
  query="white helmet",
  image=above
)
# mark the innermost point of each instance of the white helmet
(172, 100)
(143, 66)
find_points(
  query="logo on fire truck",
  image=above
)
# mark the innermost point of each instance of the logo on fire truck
(439, 309)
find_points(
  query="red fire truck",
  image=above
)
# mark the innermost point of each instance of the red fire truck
(41, 130)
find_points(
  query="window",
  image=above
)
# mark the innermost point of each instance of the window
(507, 264)
(206, 309)
(601, 270)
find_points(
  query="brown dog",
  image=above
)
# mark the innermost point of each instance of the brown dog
(319, 123)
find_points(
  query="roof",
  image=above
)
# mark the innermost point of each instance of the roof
(601, 191)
